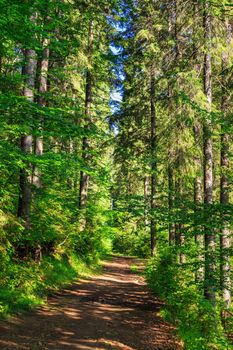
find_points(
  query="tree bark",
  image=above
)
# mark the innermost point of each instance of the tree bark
(170, 205)
(225, 242)
(146, 184)
(84, 177)
(41, 100)
(42, 82)
(153, 162)
(179, 226)
(198, 199)
(210, 238)
(29, 72)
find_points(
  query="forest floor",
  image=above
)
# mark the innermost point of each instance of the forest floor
(113, 311)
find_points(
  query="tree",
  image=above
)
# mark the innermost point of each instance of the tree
(210, 238)
(225, 240)
(29, 72)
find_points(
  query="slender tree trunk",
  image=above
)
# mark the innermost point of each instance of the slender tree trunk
(146, 183)
(179, 226)
(177, 43)
(178, 201)
(170, 205)
(210, 238)
(43, 66)
(225, 242)
(198, 180)
(29, 72)
(198, 199)
(153, 162)
(84, 177)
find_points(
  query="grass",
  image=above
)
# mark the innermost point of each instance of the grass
(30, 284)
(198, 324)
(135, 269)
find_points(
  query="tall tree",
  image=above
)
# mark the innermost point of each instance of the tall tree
(29, 72)
(42, 77)
(225, 239)
(210, 238)
(84, 176)
(153, 161)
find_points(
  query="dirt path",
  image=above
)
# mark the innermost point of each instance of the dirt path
(113, 311)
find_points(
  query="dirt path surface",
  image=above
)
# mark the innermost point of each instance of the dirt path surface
(114, 311)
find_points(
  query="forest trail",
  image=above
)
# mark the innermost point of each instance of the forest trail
(113, 311)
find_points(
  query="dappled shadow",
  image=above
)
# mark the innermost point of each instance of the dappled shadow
(113, 311)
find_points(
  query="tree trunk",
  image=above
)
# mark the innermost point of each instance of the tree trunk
(179, 226)
(153, 163)
(43, 67)
(198, 198)
(41, 100)
(210, 239)
(146, 183)
(225, 243)
(84, 177)
(170, 205)
(29, 71)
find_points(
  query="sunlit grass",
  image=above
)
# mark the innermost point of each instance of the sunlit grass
(30, 283)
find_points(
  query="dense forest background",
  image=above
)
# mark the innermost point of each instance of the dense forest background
(116, 136)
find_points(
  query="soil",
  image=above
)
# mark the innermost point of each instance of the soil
(113, 311)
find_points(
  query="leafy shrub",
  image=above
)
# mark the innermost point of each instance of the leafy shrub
(198, 324)
(28, 283)
(130, 242)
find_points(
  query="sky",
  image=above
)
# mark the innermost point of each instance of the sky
(116, 95)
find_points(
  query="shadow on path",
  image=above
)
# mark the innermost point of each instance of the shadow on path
(114, 311)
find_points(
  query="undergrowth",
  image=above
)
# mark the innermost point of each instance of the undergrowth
(199, 326)
(28, 283)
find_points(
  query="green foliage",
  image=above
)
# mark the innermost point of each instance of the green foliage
(163, 50)
(59, 121)
(127, 241)
(199, 325)
(25, 284)
(158, 70)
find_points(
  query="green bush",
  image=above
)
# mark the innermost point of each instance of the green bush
(28, 283)
(198, 324)
(132, 243)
